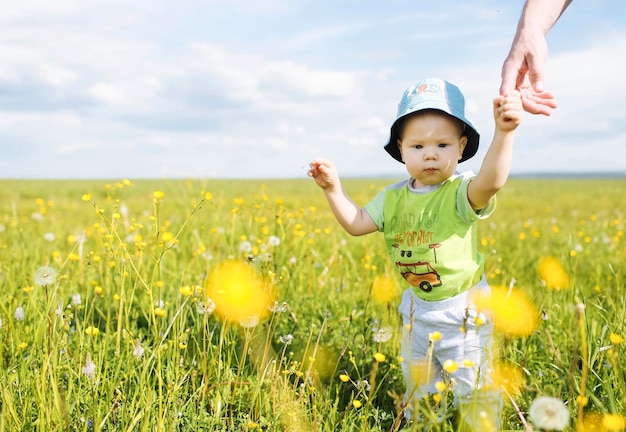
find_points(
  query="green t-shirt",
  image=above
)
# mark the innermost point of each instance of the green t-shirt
(430, 235)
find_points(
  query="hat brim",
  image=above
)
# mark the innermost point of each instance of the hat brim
(470, 150)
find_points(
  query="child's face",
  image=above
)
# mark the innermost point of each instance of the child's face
(431, 146)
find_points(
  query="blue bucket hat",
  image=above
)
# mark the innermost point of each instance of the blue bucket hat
(433, 94)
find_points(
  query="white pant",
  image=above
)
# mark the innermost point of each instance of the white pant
(463, 342)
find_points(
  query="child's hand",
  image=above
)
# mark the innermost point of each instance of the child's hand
(508, 111)
(324, 173)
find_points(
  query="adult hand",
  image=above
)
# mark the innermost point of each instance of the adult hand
(523, 71)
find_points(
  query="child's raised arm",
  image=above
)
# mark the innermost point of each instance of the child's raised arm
(354, 219)
(507, 112)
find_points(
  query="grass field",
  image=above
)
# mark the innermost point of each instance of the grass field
(186, 305)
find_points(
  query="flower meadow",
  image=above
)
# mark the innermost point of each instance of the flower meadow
(186, 305)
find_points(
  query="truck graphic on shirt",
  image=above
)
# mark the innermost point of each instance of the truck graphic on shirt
(420, 274)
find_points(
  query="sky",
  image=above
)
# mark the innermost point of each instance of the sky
(257, 89)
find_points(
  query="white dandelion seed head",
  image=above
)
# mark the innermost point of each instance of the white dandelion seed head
(292, 260)
(363, 385)
(249, 321)
(382, 334)
(205, 307)
(19, 313)
(49, 237)
(159, 303)
(36, 216)
(90, 368)
(0, 323)
(273, 241)
(76, 299)
(278, 307)
(45, 276)
(139, 350)
(266, 257)
(549, 413)
(286, 339)
(245, 246)
(124, 210)
(59, 310)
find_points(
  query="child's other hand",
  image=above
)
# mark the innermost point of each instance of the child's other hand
(324, 173)
(508, 111)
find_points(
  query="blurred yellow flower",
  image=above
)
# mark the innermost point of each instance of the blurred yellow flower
(186, 291)
(158, 194)
(468, 363)
(440, 386)
(87, 197)
(553, 274)
(450, 366)
(237, 291)
(616, 339)
(344, 377)
(434, 336)
(380, 357)
(513, 314)
(160, 312)
(421, 372)
(613, 422)
(385, 289)
(92, 331)
(357, 403)
(23, 345)
(508, 377)
(592, 422)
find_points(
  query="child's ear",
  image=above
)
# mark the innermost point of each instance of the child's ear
(399, 142)
(462, 144)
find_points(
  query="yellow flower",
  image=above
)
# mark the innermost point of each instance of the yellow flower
(87, 197)
(92, 331)
(158, 194)
(613, 422)
(380, 357)
(553, 274)
(512, 312)
(435, 336)
(208, 196)
(237, 291)
(592, 422)
(182, 345)
(186, 291)
(167, 236)
(384, 289)
(508, 377)
(450, 366)
(616, 339)
(23, 345)
(27, 289)
(468, 363)
(440, 386)
(344, 377)
(357, 403)
(421, 372)
(160, 312)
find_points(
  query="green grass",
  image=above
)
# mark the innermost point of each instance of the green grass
(127, 255)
